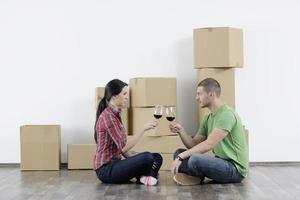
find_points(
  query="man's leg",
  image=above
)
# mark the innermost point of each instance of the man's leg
(214, 168)
(183, 168)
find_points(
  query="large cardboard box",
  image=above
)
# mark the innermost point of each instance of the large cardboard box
(140, 116)
(161, 144)
(145, 92)
(40, 147)
(81, 156)
(99, 93)
(226, 78)
(218, 47)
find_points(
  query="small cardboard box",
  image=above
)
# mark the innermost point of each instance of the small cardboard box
(81, 156)
(145, 92)
(40, 147)
(218, 47)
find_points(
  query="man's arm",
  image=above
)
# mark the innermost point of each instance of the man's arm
(187, 140)
(212, 140)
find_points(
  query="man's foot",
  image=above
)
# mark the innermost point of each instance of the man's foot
(148, 180)
(183, 179)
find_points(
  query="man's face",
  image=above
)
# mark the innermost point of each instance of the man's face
(121, 100)
(203, 97)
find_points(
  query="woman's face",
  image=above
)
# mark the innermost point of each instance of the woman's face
(121, 100)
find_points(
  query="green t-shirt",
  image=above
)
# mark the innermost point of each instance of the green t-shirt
(233, 147)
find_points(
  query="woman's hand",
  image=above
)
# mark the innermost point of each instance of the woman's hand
(150, 125)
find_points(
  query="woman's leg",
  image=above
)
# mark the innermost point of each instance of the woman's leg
(158, 160)
(121, 171)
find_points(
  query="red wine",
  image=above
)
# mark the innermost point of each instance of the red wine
(157, 116)
(170, 118)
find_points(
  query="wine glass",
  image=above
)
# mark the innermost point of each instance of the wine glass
(170, 113)
(158, 111)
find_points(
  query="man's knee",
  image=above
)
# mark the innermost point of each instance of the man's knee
(197, 161)
(177, 152)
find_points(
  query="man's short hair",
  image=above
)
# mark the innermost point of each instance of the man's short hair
(211, 85)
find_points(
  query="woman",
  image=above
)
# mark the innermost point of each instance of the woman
(110, 136)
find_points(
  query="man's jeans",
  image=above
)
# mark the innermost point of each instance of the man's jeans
(202, 165)
(121, 171)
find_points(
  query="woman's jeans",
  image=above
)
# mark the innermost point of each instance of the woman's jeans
(202, 165)
(121, 171)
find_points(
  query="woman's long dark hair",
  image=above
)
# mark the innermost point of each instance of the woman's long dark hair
(112, 88)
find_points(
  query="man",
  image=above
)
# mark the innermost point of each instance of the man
(222, 132)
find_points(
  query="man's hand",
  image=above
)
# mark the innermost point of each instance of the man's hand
(175, 166)
(175, 127)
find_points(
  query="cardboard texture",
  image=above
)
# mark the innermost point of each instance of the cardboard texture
(226, 78)
(218, 47)
(162, 144)
(40, 147)
(145, 92)
(140, 116)
(167, 162)
(81, 156)
(99, 93)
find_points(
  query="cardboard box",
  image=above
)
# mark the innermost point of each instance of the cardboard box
(167, 162)
(81, 156)
(140, 116)
(218, 47)
(165, 145)
(145, 92)
(99, 93)
(40, 147)
(161, 144)
(226, 78)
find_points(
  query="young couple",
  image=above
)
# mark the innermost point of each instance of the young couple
(220, 131)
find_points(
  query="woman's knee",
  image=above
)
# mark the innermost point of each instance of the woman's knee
(157, 158)
(147, 157)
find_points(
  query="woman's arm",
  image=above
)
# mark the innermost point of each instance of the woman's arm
(132, 141)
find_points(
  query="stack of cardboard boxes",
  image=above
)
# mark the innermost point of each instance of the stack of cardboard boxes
(145, 94)
(217, 52)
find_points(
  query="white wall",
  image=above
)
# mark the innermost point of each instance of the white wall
(54, 53)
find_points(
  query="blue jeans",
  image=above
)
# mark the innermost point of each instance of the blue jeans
(202, 165)
(121, 171)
